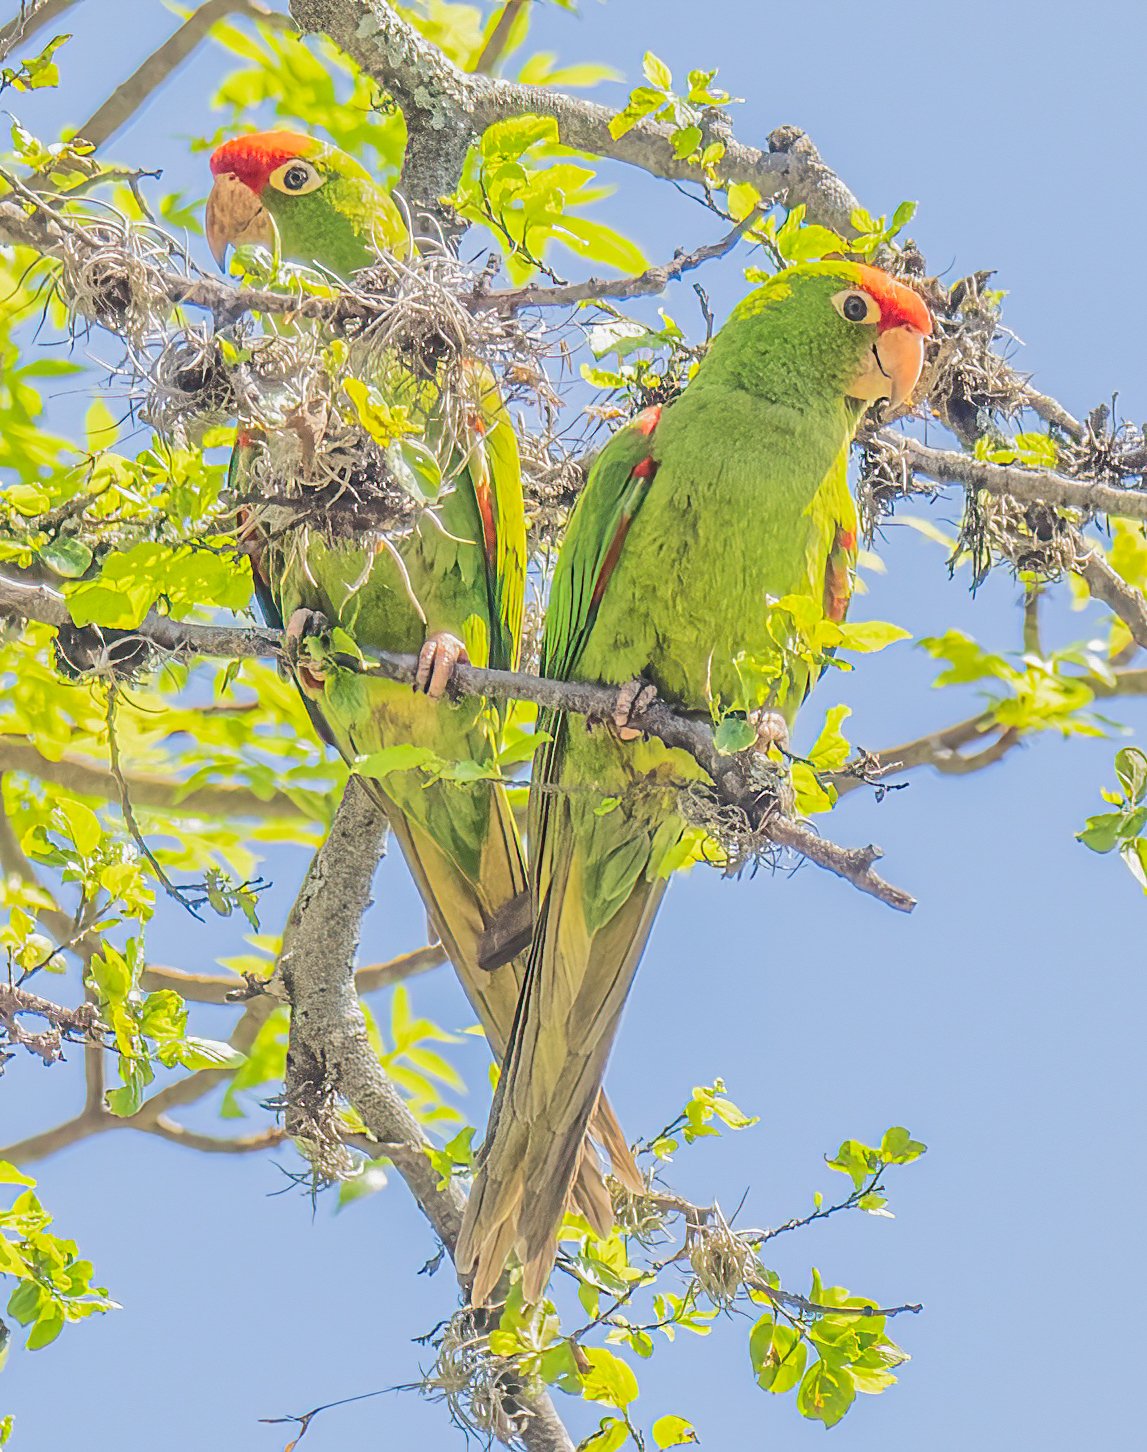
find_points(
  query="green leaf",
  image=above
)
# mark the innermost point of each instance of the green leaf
(1131, 769)
(613, 1434)
(404, 757)
(734, 734)
(686, 141)
(871, 635)
(831, 749)
(902, 216)
(609, 1379)
(826, 1393)
(899, 1148)
(10, 1175)
(67, 557)
(26, 499)
(761, 1340)
(742, 197)
(856, 1160)
(808, 243)
(100, 427)
(48, 1326)
(782, 1366)
(83, 824)
(126, 1101)
(657, 73)
(1101, 833)
(673, 1432)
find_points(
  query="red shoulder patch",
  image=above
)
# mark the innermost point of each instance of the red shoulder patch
(838, 575)
(646, 420)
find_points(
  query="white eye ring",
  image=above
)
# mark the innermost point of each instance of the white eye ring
(296, 178)
(846, 305)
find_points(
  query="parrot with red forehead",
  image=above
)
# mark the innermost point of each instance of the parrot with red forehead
(325, 206)
(452, 588)
(697, 519)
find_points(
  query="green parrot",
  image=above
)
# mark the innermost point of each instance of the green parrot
(697, 517)
(451, 588)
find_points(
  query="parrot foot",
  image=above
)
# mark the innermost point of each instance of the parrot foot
(633, 696)
(772, 730)
(304, 623)
(436, 661)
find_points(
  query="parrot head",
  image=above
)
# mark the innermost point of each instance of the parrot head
(850, 328)
(326, 208)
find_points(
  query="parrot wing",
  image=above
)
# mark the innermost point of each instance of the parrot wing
(582, 959)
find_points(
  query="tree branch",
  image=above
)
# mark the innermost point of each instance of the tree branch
(330, 1052)
(95, 1119)
(940, 749)
(33, 16)
(88, 780)
(23, 600)
(218, 988)
(730, 774)
(494, 48)
(1031, 486)
(64, 1025)
(127, 98)
(215, 1144)
(1111, 588)
(446, 109)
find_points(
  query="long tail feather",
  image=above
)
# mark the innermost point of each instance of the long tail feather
(460, 911)
(567, 1018)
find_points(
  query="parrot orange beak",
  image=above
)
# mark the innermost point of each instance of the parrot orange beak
(235, 217)
(893, 366)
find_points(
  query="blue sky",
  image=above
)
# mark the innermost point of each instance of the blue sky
(1001, 1022)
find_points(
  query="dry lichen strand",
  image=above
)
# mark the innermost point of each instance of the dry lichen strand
(480, 1390)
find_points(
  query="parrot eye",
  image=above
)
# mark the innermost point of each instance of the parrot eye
(855, 306)
(296, 177)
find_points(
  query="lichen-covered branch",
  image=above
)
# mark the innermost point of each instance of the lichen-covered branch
(446, 109)
(1032, 486)
(60, 1025)
(330, 1054)
(32, 15)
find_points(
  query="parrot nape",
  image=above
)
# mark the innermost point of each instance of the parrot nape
(450, 589)
(695, 516)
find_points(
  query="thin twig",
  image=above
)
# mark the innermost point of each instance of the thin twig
(653, 280)
(129, 816)
(127, 98)
(495, 47)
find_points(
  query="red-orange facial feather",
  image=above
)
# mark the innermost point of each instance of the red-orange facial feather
(899, 305)
(253, 158)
